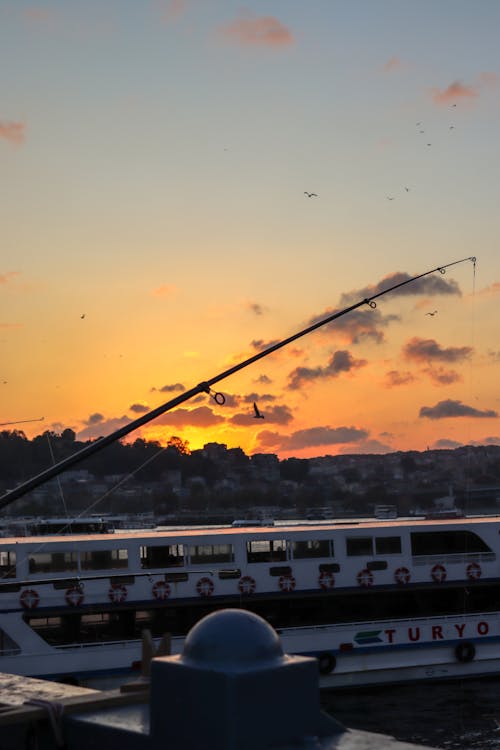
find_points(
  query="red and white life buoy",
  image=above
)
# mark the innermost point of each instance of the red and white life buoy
(365, 578)
(246, 585)
(287, 583)
(29, 599)
(117, 593)
(205, 587)
(74, 596)
(438, 573)
(473, 571)
(326, 580)
(402, 575)
(161, 590)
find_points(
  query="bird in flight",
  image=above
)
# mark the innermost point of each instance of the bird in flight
(390, 197)
(431, 313)
(407, 189)
(257, 414)
(310, 195)
(82, 316)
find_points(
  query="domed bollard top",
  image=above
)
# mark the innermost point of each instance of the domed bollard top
(233, 688)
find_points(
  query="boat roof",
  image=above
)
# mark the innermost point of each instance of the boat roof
(264, 532)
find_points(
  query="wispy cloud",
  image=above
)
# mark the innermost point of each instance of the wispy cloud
(6, 278)
(393, 63)
(263, 31)
(452, 93)
(490, 290)
(171, 10)
(311, 438)
(398, 377)
(341, 361)
(14, 132)
(428, 350)
(165, 290)
(440, 376)
(450, 408)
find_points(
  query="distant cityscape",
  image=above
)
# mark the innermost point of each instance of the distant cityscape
(216, 483)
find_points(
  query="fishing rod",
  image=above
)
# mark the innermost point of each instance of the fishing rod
(203, 387)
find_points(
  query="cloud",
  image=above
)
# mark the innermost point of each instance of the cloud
(255, 307)
(368, 446)
(489, 290)
(165, 290)
(453, 92)
(425, 350)
(392, 64)
(171, 10)
(396, 377)
(14, 132)
(11, 325)
(442, 377)
(264, 31)
(340, 361)
(263, 380)
(492, 440)
(311, 437)
(170, 388)
(273, 415)
(6, 278)
(495, 356)
(249, 398)
(202, 416)
(433, 285)
(358, 325)
(446, 444)
(449, 408)
(98, 426)
(139, 408)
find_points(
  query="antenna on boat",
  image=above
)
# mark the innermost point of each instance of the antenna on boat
(203, 387)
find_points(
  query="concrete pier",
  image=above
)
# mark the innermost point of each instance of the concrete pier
(232, 688)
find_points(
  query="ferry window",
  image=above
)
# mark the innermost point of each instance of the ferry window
(446, 542)
(104, 559)
(359, 545)
(164, 556)
(387, 545)
(52, 562)
(201, 554)
(312, 548)
(266, 550)
(7, 563)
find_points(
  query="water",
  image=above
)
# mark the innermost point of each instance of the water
(453, 716)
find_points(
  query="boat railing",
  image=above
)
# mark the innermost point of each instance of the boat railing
(456, 557)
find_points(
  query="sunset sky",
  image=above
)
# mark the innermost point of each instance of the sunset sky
(156, 229)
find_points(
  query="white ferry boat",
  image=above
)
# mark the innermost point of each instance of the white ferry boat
(375, 601)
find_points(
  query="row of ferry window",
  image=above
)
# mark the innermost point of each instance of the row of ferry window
(261, 550)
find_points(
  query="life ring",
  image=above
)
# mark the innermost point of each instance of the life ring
(205, 587)
(402, 575)
(326, 663)
(74, 596)
(465, 652)
(326, 580)
(365, 578)
(161, 590)
(29, 599)
(246, 585)
(287, 583)
(117, 593)
(438, 573)
(473, 571)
